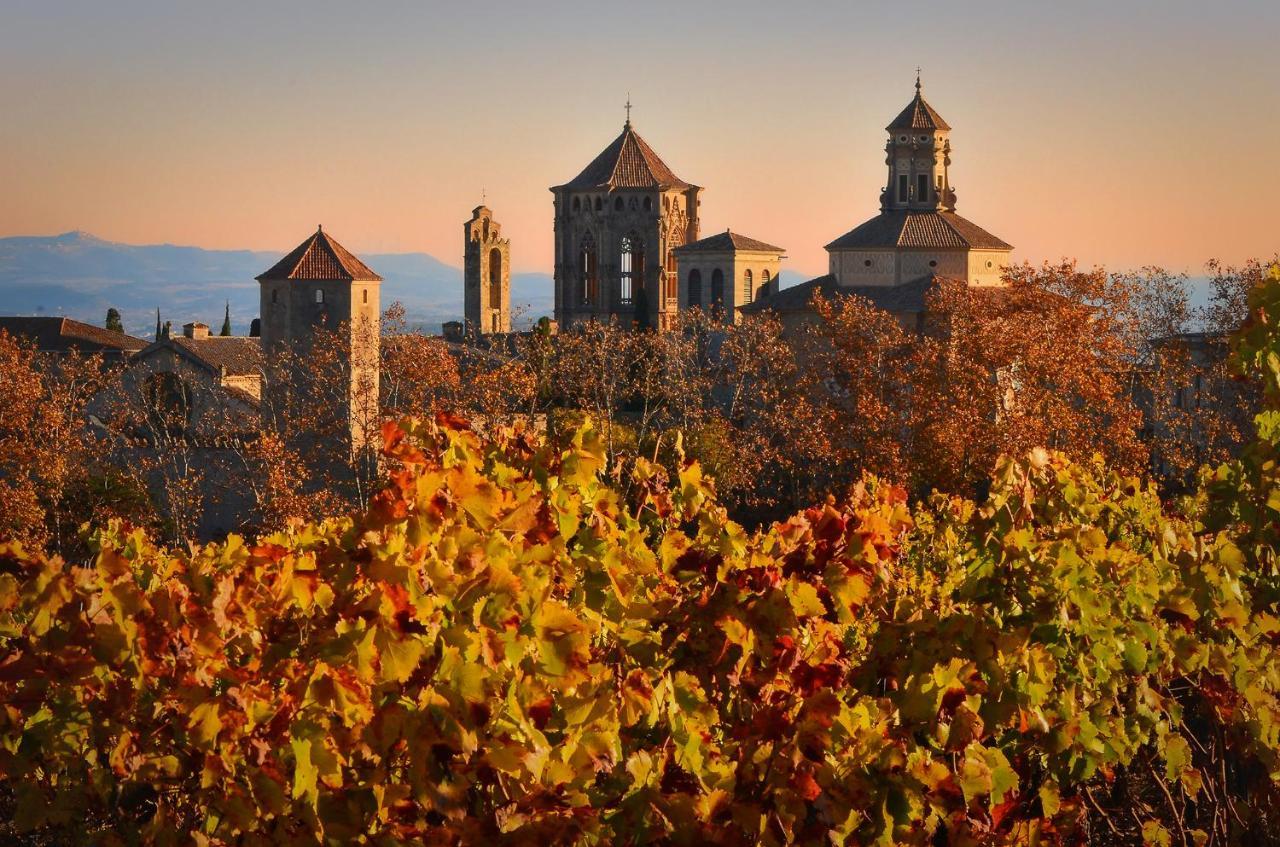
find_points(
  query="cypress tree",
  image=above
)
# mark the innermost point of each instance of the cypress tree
(159, 329)
(113, 320)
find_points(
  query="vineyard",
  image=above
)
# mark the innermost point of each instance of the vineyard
(521, 643)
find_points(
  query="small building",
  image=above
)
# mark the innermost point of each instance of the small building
(64, 335)
(202, 383)
(726, 271)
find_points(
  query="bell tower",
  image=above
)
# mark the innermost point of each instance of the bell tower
(486, 274)
(918, 154)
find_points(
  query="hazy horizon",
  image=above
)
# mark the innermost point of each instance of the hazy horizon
(1118, 134)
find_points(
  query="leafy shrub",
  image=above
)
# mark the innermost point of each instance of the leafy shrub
(503, 649)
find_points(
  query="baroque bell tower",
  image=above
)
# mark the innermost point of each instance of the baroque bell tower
(486, 275)
(918, 154)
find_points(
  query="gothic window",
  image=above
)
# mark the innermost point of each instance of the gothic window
(634, 204)
(746, 286)
(364, 296)
(922, 186)
(764, 283)
(695, 288)
(577, 203)
(495, 278)
(631, 269)
(617, 204)
(672, 286)
(648, 204)
(717, 288)
(588, 281)
(319, 295)
(599, 204)
(904, 184)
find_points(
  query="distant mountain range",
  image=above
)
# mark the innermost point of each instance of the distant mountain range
(81, 276)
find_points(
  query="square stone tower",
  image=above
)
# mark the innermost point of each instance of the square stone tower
(486, 275)
(617, 225)
(320, 287)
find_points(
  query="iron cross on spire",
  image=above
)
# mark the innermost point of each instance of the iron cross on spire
(917, 79)
(628, 108)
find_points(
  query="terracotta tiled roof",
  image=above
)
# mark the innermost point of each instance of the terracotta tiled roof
(918, 115)
(63, 334)
(239, 354)
(725, 242)
(321, 258)
(896, 299)
(919, 229)
(627, 163)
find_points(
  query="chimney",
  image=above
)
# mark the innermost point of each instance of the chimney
(195, 330)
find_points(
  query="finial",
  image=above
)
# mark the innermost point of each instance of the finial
(483, 196)
(319, 228)
(628, 123)
(917, 79)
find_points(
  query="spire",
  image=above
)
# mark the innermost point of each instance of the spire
(158, 328)
(917, 80)
(627, 125)
(226, 321)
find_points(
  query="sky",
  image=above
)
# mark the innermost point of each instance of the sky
(1119, 133)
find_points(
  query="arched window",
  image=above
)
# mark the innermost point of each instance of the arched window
(495, 278)
(617, 204)
(631, 269)
(599, 204)
(717, 288)
(588, 281)
(168, 402)
(695, 288)
(672, 286)
(648, 204)
(577, 203)
(364, 296)
(319, 295)
(764, 283)
(747, 287)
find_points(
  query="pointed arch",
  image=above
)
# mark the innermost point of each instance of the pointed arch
(630, 268)
(588, 274)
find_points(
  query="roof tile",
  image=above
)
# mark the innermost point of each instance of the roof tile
(321, 258)
(629, 162)
(927, 230)
(725, 242)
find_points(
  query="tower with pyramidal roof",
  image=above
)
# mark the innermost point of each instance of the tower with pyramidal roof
(321, 287)
(617, 224)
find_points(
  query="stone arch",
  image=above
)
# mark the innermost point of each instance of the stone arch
(588, 270)
(695, 288)
(495, 278)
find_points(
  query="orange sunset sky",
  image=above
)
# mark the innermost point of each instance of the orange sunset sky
(1121, 133)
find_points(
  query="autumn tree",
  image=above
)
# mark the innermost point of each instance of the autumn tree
(54, 473)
